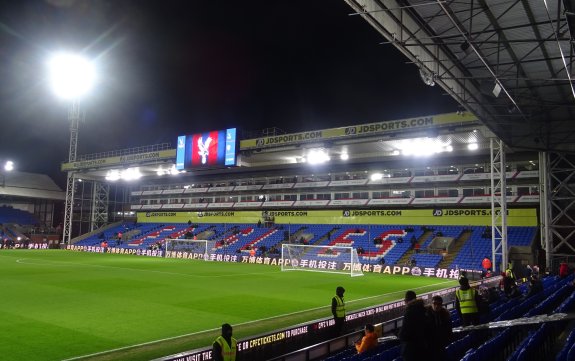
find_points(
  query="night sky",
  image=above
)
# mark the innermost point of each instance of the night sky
(174, 67)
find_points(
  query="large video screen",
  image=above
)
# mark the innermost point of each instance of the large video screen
(207, 150)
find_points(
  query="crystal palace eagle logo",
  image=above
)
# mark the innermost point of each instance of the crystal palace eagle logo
(204, 148)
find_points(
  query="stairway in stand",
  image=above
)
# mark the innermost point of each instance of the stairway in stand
(455, 248)
(407, 255)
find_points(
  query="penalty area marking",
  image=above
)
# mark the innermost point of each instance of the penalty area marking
(237, 324)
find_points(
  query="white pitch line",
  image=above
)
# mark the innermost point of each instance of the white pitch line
(44, 262)
(238, 324)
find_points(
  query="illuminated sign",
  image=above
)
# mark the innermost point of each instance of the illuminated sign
(206, 150)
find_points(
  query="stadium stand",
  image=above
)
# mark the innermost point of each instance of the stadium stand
(450, 197)
(512, 343)
(389, 242)
(13, 215)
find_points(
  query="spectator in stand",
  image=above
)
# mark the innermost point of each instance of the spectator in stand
(414, 330)
(225, 346)
(368, 341)
(252, 252)
(535, 271)
(442, 329)
(263, 250)
(506, 283)
(527, 273)
(338, 310)
(467, 301)
(535, 286)
(104, 246)
(563, 270)
(486, 263)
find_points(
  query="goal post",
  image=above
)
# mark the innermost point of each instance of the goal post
(329, 259)
(191, 248)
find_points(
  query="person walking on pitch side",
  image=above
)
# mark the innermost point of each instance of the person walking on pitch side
(225, 346)
(338, 310)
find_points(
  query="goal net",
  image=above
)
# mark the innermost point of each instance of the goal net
(189, 248)
(330, 259)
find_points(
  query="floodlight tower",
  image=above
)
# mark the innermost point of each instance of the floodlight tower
(71, 77)
(8, 167)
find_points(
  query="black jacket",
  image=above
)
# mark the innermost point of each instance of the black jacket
(415, 323)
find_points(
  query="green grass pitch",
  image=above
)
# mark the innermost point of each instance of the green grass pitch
(62, 305)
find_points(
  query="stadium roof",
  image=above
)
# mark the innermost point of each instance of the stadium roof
(30, 185)
(363, 143)
(368, 147)
(508, 62)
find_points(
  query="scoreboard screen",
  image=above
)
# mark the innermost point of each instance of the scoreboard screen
(214, 149)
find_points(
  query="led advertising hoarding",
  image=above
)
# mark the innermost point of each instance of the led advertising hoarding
(207, 150)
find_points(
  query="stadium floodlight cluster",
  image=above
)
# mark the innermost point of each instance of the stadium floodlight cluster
(328, 259)
(124, 174)
(424, 147)
(71, 75)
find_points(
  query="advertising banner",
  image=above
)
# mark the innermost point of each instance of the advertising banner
(437, 216)
(124, 160)
(390, 126)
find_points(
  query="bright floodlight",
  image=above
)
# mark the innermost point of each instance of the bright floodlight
(71, 76)
(472, 146)
(424, 147)
(317, 157)
(9, 166)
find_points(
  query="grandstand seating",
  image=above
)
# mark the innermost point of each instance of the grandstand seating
(477, 247)
(13, 215)
(387, 242)
(569, 346)
(512, 344)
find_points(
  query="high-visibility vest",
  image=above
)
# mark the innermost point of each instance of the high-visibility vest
(509, 273)
(340, 308)
(466, 300)
(228, 351)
